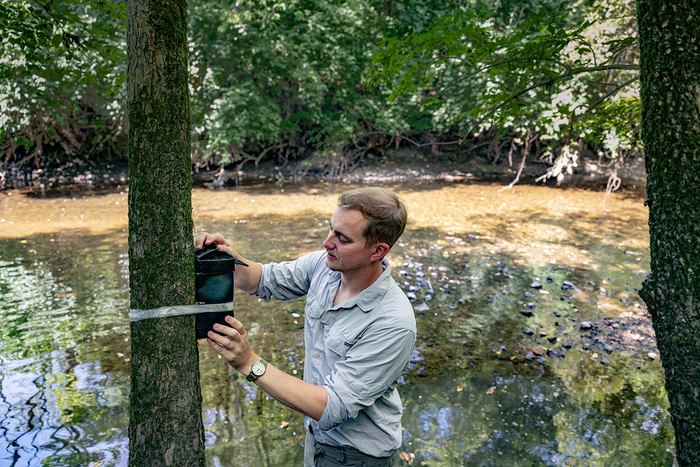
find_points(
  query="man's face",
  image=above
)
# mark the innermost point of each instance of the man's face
(345, 244)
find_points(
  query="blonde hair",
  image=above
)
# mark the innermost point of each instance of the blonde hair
(386, 214)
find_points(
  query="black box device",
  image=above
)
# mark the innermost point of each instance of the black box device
(214, 271)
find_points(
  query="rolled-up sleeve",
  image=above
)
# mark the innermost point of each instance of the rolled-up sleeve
(289, 279)
(371, 366)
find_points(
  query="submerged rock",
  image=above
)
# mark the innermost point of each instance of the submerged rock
(531, 356)
(421, 307)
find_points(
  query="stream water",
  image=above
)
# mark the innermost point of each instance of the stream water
(534, 348)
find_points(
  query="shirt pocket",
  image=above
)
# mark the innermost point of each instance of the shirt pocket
(337, 347)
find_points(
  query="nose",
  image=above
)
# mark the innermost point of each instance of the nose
(327, 243)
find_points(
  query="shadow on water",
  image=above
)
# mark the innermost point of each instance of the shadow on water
(504, 373)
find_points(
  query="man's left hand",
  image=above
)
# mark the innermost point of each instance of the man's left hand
(231, 342)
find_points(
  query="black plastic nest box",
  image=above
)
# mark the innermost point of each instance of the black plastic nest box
(214, 271)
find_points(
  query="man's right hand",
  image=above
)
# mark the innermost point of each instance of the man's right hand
(245, 278)
(204, 238)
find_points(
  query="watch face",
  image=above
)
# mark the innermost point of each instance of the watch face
(258, 368)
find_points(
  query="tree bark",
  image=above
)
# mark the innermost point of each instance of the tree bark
(165, 427)
(669, 39)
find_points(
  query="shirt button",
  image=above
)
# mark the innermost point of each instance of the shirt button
(317, 355)
(315, 382)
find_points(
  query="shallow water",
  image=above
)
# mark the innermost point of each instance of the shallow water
(474, 394)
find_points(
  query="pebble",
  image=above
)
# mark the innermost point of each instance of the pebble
(411, 296)
(535, 358)
(421, 307)
(585, 326)
(538, 350)
(551, 353)
(529, 331)
(527, 313)
(652, 356)
(536, 285)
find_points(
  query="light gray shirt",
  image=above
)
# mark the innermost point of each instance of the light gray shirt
(356, 350)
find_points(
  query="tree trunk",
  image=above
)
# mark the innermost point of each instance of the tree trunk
(165, 427)
(669, 39)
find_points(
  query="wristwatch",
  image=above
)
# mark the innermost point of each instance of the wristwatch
(257, 371)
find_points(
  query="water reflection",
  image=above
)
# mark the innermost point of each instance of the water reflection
(504, 373)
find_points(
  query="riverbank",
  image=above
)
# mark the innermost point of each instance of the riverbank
(395, 166)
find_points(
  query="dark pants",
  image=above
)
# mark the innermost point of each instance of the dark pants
(331, 456)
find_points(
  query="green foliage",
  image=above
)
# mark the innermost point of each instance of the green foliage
(284, 80)
(59, 59)
(288, 76)
(563, 77)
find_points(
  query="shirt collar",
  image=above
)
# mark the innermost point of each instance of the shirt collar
(371, 296)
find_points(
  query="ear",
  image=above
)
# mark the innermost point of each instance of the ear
(380, 251)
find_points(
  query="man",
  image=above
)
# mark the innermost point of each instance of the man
(359, 333)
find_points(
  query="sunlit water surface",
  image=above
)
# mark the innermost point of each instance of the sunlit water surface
(477, 391)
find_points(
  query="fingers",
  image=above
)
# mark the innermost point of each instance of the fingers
(228, 336)
(204, 238)
(232, 344)
(199, 240)
(235, 324)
